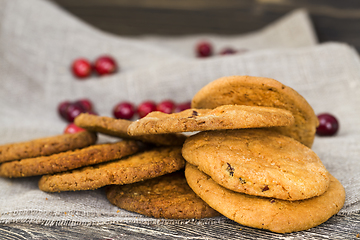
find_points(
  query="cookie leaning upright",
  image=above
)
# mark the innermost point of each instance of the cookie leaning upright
(267, 213)
(258, 162)
(259, 91)
(46, 146)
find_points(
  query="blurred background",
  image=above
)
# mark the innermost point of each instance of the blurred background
(334, 20)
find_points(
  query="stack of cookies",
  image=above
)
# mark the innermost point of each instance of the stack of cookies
(247, 156)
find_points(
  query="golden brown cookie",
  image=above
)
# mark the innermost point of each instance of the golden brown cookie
(279, 216)
(68, 160)
(118, 128)
(258, 91)
(46, 146)
(222, 117)
(168, 196)
(258, 162)
(144, 165)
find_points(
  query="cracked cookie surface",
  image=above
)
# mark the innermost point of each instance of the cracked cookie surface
(222, 117)
(68, 160)
(259, 91)
(258, 162)
(168, 196)
(135, 168)
(276, 215)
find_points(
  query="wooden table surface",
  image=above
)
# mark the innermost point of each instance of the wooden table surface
(333, 20)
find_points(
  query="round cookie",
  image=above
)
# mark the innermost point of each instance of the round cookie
(46, 146)
(168, 196)
(68, 160)
(258, 91)
(118, 128)
(267, 213)
(222, 117)
(144, 165)
(258, 162)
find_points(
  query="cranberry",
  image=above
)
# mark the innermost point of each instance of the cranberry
(72, 112)
(105, 65)
(124, 110)
(145, 108)
(62, 109)
(328, 125)
(81, 68)
(182, 106)
(72, 128)
(228, 51)
(204, 49)
(166, 106)
(85, 104)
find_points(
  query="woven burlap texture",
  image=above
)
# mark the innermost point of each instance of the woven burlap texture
(38, 41)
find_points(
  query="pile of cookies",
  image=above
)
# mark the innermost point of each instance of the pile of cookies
(247, 156)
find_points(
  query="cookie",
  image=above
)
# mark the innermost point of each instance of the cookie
(258, 162)
(46, 146)
(258, 91)
(68, 160)
(118, 128)
(144, 165)
(222, 117)
(279, 216)
(168, 196)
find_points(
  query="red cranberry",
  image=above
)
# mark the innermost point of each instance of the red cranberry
(182, 106)
(73, 111)
(204, 49)
(228, 51)
(145, 108)
(166, 106)
(81, 68)
(105, 65)
(328, 125)
(62, 109)
(124, 110)
(72, 128)
(85, 104)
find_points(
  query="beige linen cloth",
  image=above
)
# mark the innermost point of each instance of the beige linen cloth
(38, 41)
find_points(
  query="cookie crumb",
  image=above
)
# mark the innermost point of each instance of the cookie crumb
(118, 211)
(65, 213)
(46, 198)
(358, 235)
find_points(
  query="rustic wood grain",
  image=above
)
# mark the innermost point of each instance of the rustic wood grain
(337, 227)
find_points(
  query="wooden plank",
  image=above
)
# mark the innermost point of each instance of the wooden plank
(337, 227)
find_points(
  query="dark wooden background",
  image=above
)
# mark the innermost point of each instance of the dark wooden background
(334, 20)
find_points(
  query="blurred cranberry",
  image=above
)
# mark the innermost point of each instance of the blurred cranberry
(328, 125)
(72, 128)
(62, 109)
(105, 65)
(72, 112)
(228, 51)
(182, 106)
(81, 68)
(204, 49)
(124, 110)
(145, 108)
(85, 104)
(166, 106)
